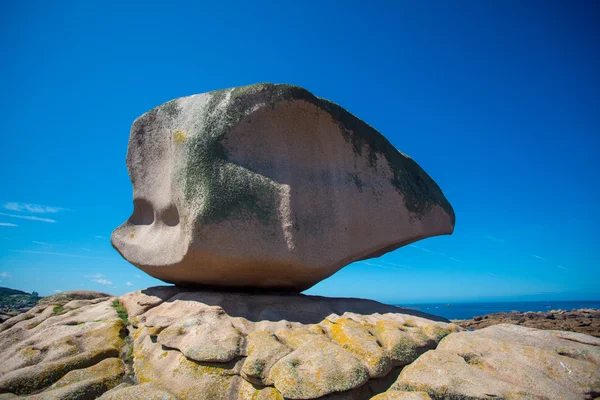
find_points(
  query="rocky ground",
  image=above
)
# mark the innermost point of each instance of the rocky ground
(586, 320)
(173, 343)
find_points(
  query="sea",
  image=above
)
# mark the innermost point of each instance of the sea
(470, 310)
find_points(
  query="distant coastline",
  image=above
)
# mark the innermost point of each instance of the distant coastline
(471, 310)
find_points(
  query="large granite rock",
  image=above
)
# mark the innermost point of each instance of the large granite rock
(506, 362)
(210, 345)
(268, 186)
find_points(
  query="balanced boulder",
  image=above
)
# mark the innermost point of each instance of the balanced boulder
(267, 186)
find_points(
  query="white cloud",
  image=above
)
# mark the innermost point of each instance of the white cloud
(7, 224)
(539, 257)
(42, 243)
(384, 265)
(420, 248)
(494, 239)
(128, 284)
(34, 208)
(84, 249)
(102, 281)
(29, 217)
(453, 259)
(94, 276)
(58, 291)
(138, 276)
(99, 278)
(50, 253)
(5, 275)
(436, 252)
(398, 265)
(562, 267)
(100, 237)
(377, 265)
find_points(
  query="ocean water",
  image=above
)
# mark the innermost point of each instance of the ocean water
(470, 310)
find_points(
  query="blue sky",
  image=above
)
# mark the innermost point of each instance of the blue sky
(497, 101)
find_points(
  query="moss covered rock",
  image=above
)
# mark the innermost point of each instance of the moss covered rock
(268, 186)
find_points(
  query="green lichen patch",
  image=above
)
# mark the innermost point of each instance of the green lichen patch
(228, 191)
(355, 179)
(170, 108)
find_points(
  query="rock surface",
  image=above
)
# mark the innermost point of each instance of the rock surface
(507, 362)
(585, 320)
(62, 351)
(210, 345)
(213, 345)
(268, 186)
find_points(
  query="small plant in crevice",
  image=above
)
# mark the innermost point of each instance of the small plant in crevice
(121, 311)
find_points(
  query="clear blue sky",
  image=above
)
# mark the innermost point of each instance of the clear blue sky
(498, 101)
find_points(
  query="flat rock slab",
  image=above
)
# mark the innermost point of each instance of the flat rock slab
(507, 362)
(267, 186)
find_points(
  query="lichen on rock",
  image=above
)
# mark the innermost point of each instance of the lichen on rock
(269, 183)
(272, 347)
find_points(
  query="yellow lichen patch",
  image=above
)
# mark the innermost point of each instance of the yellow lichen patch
(179, 136)
(269, 393)
(111, 368)
(109, 334)
(89, 382)
(264, 349)
(436, 332)
(295, 338)
(33, 324)
(247, 391)
(180, 376)
(354, 338)
(315, 369)
(396, 395)
(403, 344)
(29, 353)
(319, 330)
(36, 377)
